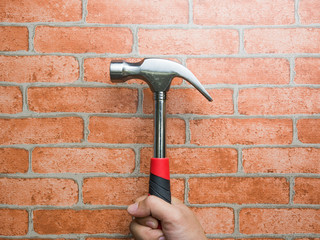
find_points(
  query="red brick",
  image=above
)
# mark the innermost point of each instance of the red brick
(10, 100)
(191, 101)
(14, 38)
(83, 39)
(13, 222)
(188, 41)
(138, 12)
(39, 11)
(307, 190)
(14, 160)
(41, 130)
(68, 221)
(307, 71)
(195, 160)
(31, 69)
(308, 130)
(38, 191)
(98, 70)
(223, 131)
(215, 220)
(82, 160)
(240, 70)
(238, 190)
(279, 221)
(279, 101)
(110, 191)
(285, 40)
(309, 11)
(281, 160)
(80, 99)
(133, 130)
(234, 12)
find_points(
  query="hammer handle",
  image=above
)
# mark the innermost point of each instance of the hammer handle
(159, 184)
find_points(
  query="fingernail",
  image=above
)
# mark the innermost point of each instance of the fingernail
(162, 238)
(151, 224)
(133, 208)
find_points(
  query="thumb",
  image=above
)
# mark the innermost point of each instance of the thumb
(151, 206)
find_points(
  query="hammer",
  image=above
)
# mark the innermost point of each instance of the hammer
(158, 74)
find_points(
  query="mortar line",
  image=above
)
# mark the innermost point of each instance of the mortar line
(236, 212)
(31, 31)
(292, 71)
(295, 138)
(84, 11)
(24, 92)
(190, 19)
(241, 42)
(292, 191)
(74, 176)
(296, 12)
(133, 55)
(135, 40)
(80, 80)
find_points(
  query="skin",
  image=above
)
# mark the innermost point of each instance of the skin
(177, 221)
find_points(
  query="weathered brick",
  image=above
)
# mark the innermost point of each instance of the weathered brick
(279, 221)
(307, 190)
(38, 191)
(82, 39)
(10, 100)
(41, 130)
(284, 40)
(308, 130)
(224, 131)
(82, 160)
(32, 69)
(109, 191)
(240, 70)
(133, 130)
(279, 101)
(233, 12)
(14, 38)
(188, 41)
(238, 190)
(215, 220)
(195, 160)
(191, 101)
(13, 222)
(309, 11)
(281, 160)
(138, 12)
(80, 99)
(307, 71)
(39, 11)
(14, 160)
(68, 221)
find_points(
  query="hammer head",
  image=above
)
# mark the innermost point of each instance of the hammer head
(157, 73)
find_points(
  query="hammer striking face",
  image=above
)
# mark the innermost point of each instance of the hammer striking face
(158, 74)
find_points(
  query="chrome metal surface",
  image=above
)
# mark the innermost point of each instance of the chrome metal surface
(159, 147)
(157, 73)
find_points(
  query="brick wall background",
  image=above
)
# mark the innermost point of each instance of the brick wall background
(75, 148)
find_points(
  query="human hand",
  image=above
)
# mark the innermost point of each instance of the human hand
(177, 221)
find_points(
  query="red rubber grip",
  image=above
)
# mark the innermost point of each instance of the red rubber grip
(159, 181)
(160, 167)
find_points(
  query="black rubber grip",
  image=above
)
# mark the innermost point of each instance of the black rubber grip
(160, 187)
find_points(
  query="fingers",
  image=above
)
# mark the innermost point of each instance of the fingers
(151, 206)
(141, 232)
(148, 222)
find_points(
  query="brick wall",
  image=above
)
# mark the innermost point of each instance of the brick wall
(75, 148)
